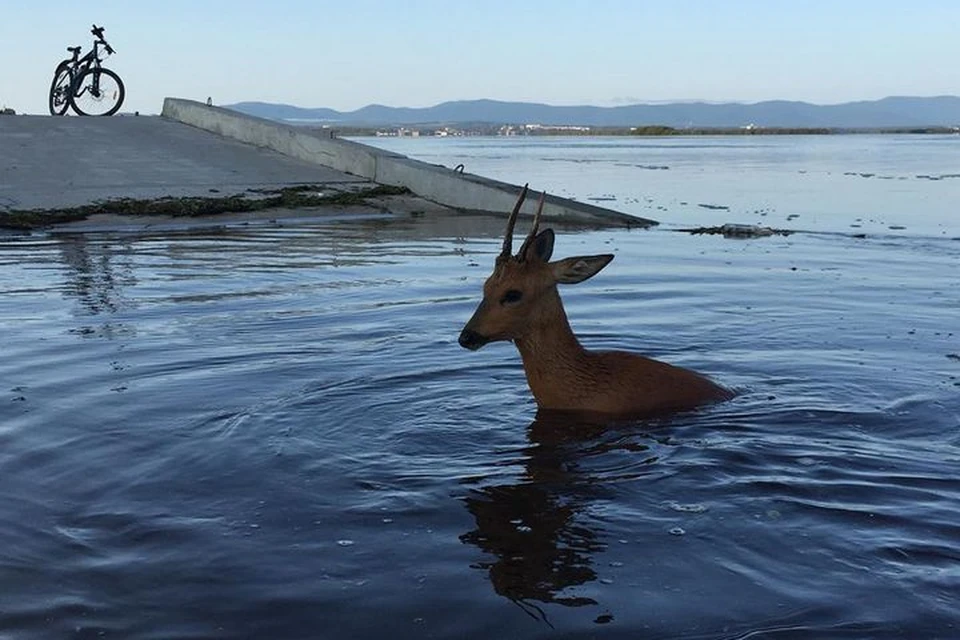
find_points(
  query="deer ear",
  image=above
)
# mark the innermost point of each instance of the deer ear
(541, 247)
(578, 269)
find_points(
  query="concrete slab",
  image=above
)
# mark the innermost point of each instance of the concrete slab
(190, 162)
(48, 162)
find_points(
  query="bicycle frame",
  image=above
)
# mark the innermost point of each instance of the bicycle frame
(90, 60)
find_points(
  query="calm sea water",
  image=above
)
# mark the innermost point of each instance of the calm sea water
(271, 432)
(906, 184)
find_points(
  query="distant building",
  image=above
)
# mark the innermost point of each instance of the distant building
(555, 127)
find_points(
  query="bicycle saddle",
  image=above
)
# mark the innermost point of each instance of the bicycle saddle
(74, 50)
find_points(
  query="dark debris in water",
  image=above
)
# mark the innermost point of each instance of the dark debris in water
(942, 176)
(921, 176)
(730, 230)
(298, 196)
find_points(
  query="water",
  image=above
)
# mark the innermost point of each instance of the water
(905, 184)
(271, 432)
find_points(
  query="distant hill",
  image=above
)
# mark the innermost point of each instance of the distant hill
(888, 112)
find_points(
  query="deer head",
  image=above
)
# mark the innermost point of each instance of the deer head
(521, 294)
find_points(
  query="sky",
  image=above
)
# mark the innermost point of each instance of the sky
(417, 53)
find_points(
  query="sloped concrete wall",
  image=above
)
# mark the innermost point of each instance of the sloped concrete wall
(442, 185)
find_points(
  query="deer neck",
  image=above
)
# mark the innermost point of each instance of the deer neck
(553, 358)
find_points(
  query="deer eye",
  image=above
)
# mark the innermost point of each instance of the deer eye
(511, 296)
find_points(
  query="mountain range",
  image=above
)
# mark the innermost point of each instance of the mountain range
(900, 111)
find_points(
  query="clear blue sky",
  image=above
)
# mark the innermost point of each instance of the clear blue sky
(345, 55)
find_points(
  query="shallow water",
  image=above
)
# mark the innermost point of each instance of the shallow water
(900, 184)
(272, 432)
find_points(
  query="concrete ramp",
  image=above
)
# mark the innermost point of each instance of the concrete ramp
(52, 163)
(59, 169)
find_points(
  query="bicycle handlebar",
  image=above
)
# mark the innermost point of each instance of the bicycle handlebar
(98, 32)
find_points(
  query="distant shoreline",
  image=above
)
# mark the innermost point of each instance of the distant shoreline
(900, 112)
(434, 130)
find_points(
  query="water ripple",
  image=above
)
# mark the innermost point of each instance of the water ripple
(242, 434)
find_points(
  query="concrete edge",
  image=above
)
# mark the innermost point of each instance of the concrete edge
(464, 191)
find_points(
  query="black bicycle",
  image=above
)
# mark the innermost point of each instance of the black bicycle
(85, 85)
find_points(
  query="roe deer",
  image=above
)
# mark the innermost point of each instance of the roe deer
(521, 303)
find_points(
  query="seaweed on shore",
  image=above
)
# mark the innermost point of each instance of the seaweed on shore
(293, 197)
(730, 230)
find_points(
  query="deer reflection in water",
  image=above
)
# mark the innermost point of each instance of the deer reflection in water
(538, 530)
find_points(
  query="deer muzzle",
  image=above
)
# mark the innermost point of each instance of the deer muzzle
(470, 339)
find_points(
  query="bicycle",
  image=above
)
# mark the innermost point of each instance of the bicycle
(85, 85)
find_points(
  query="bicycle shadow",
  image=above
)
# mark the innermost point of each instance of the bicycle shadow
(537, 530)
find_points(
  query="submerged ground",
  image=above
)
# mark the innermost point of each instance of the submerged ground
(264, 432)
(270, 430)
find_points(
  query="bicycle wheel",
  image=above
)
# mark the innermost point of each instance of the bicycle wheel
(97, 92)
(60, 90)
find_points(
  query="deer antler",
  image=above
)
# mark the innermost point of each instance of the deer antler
(511, 222)
(534, 228)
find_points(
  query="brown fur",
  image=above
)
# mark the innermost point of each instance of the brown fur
(561, 373)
